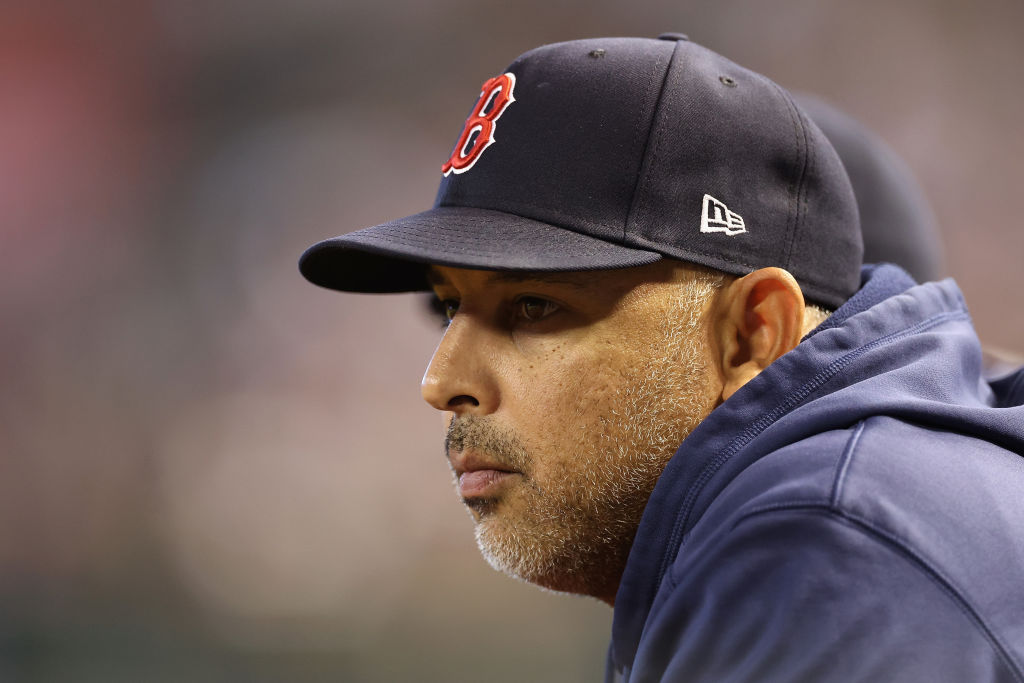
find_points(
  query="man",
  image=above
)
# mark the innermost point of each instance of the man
(673, 388)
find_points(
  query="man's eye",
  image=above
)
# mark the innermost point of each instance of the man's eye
(449, 307)
(533, 308)
(444, 309)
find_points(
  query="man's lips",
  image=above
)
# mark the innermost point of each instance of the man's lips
(479, 477)
(482, 483)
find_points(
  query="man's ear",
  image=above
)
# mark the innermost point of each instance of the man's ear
(760, 317)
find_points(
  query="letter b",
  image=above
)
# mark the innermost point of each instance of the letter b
(478, 133)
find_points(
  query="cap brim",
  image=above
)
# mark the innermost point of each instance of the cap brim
(391, 257)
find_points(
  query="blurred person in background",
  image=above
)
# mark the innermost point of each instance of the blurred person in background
(896, 220)
(897, 223)
(673, 387)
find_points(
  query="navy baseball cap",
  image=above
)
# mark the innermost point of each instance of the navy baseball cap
(617, 152)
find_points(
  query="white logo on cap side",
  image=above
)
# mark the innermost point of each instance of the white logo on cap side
(715, 216)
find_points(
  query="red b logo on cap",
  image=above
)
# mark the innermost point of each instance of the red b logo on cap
(478, 134)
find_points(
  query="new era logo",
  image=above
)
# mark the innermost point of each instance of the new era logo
(716, 217)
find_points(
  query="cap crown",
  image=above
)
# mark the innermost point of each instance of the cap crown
(623, 139)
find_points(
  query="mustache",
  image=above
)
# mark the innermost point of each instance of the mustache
(482, 435)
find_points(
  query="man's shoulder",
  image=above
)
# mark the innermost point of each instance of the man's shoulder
(884, 512)
(883, 471)
(804, 593)
(895, 470)
(941, 494)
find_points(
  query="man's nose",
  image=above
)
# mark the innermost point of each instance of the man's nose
(461, 377)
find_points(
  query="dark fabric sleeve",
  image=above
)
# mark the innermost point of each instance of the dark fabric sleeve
(806, 595)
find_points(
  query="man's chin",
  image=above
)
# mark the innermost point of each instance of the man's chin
(519, 540)
(516, 547)
(537, 567)
(506, 553)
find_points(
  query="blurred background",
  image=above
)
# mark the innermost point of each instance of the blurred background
(213, 471)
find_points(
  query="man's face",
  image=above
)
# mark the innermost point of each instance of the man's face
(568, 393)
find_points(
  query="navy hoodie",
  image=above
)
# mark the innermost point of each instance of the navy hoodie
(853, 513)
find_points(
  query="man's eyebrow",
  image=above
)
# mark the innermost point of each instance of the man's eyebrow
(435, 278)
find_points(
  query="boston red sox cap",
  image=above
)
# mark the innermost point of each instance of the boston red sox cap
(617, 152)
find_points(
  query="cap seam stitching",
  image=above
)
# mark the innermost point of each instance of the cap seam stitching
(651, 146)
(810, 161)
(796, 184)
